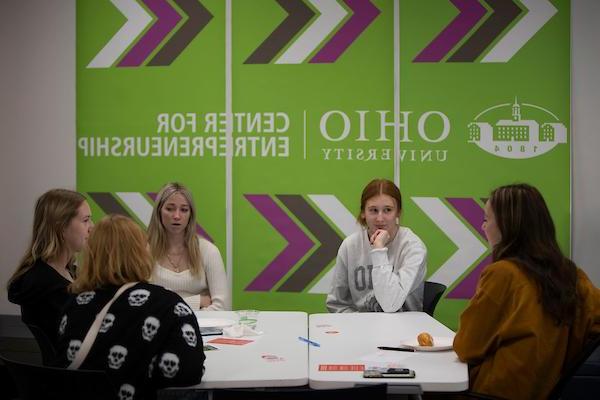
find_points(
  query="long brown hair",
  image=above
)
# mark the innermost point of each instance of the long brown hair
(529, 240)
(117, 253)
(157, 235)
(54, 210)
(375, 188)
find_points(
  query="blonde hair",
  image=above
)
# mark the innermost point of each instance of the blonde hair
(54, 210)
(116, 254)
(157, 235)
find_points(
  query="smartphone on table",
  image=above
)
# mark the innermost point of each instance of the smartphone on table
(389, 373)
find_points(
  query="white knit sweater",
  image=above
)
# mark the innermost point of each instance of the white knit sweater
(212, 281)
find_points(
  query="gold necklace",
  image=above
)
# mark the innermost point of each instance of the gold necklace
(175, 265)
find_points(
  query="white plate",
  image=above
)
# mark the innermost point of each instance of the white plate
(440, 343)
(215, 322)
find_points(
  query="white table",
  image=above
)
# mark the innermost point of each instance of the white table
(356, 341)
(276, 358)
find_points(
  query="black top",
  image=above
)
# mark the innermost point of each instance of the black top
(148, 339)
(42, 293)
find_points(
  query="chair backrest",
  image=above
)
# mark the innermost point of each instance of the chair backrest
(432, 293)
(42, 382)
(572, 368)
(46, 346)
(370, 392)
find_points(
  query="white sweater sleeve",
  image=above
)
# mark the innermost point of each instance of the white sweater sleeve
(339, 298)
(215, 279)
(392, 287)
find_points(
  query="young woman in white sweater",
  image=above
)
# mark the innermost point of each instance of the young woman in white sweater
(187, 264)
(382, 267)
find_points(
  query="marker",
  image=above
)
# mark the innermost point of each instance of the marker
(395, 348)
(305, 340)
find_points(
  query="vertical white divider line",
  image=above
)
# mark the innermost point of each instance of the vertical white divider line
(304, 131)
(397, 92)
(229, 152)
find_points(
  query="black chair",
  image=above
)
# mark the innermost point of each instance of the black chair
(432, 293)
(40, 382)
(46, 346)
(576, 381)
(370, 392)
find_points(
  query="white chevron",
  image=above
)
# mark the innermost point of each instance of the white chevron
(138, 204)
(343, 219)
(331, 15)
(137, 20)
(540, 11)
(470, 248)
(336, 212)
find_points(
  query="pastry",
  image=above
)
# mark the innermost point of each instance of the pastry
(425, 339)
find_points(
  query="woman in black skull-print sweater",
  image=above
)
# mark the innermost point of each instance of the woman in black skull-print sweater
(150, 337)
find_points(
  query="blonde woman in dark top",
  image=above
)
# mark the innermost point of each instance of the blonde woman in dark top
(62, 222)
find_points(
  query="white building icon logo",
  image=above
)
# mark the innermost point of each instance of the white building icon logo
(517, 137)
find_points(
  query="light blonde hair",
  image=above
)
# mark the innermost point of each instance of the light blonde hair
(157, 235)
(54, 210)
(117, 253)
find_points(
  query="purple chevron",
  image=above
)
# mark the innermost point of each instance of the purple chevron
(199, 229)
(167, 19)
(471, 11)
(470, 210)
(298, 243)
(364, 13)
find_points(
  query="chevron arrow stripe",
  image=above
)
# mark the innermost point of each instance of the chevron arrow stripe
(364, 12)
(298, 243)
(137, 20)
(167, 19)
(470, 248)
(473, 214)
(540, 12)
(321, 258)
(199, 17)
(471, 11)
(332, 14)
(108, 203)
(299, 16)
(504, 13)
(343, 220)
(137, 203)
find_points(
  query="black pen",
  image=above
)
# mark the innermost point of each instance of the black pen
(395, 348)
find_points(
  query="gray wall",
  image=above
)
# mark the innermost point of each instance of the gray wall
(37, 122)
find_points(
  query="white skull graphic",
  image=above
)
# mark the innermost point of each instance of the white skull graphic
(182, 309)
(85, 297)
(189, 335)
(138, 297)
(74, 346)
(169, 365)
(126, 392)
(150, 328)
(151, 367)
(107, 322)
(63, 325)
(116, 356)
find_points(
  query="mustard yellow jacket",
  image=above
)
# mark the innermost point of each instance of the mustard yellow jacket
(513, 348)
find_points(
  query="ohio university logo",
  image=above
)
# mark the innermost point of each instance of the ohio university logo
(521, 136)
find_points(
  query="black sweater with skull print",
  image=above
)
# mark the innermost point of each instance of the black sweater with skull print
(148, 339)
